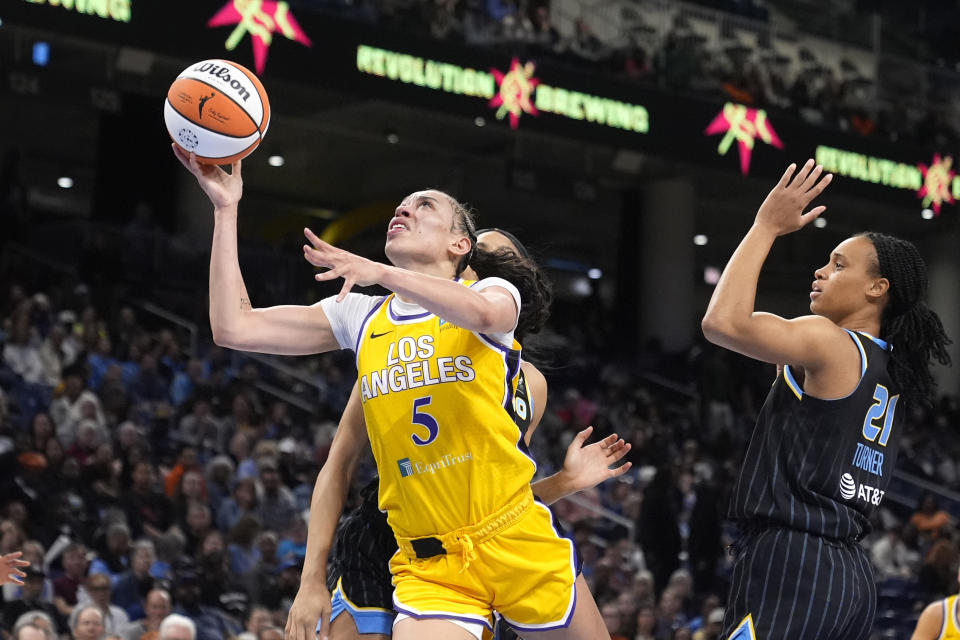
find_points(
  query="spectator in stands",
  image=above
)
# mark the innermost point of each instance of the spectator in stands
(211, 624)
(192, 490)
(258, 619)
(41, 621)
(242, 550)
(714, 626)
(65, 587)
(74, 404)
(263, 575)
(29, 631)
(281, 596)
(929, 519)
(149, 385)
(176, 627)
(147, 509)
(611, 618)
(41, 430)
(658, 528)
(186, 461)
(647, 626)
(242, 502)
(31, 599)
(890, 556)
(270, 633)
(277, 504)
(670, 616)
(22, 352)
(294, 543)
(219, 480)
(937, 576)
(710, 602)
(85, 445)
(113, 559)
(197, 527)
(157, 606)
(99, 591)
(88, 623)
(132, 587)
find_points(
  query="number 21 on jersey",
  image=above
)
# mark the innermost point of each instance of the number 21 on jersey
(882, 409)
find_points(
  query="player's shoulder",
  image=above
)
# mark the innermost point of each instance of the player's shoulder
(930, 621)
(534, 377)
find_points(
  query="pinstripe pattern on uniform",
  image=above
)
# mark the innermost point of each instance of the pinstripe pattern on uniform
(788, 579)
(799, 572)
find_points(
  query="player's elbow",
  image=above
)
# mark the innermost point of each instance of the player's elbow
(717, 328)
(228, 337)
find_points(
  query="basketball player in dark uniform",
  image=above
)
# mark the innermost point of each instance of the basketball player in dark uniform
(824, 447)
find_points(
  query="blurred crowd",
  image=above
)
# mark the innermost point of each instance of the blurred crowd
(825, 92)
(140, 479)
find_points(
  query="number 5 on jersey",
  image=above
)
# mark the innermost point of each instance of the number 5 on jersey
(424, 419)
(883, 408)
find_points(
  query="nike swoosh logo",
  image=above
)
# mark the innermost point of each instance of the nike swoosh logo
(378, 335)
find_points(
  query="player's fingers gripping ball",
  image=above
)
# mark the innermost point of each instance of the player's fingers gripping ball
(218, 110)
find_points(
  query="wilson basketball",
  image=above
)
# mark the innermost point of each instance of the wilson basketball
(218, 110)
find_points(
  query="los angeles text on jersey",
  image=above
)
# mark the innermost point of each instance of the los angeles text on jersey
(409, 366)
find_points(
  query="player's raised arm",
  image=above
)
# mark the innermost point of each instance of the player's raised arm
(490, 310)
(235, 323)
(731, 320)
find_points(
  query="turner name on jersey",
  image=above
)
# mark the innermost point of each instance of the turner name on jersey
(411, 364)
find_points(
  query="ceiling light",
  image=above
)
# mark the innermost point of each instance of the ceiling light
(594, 274)
(479, 121)
(65, 182)
(275, 161)
(699, 239)
(393, 138)
(711, 275)
(820, 223)
(927, 214)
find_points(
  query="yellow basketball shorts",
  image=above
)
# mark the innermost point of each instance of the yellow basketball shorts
(517, 563)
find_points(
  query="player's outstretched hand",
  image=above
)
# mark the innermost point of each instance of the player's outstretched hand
(587, 466)
(354, 270)
(10, 566)
(224, 189)
(783, 210)
(306, 610)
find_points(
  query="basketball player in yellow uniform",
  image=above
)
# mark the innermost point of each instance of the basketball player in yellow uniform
(361, 572)
(939, 621)
(437, 363)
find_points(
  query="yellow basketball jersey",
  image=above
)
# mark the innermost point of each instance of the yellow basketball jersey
(433, 398)
(949, 630)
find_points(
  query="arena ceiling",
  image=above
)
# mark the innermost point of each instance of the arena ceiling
(345, 152)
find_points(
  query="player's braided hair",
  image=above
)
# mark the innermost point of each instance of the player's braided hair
(514, 267)
(914, 330)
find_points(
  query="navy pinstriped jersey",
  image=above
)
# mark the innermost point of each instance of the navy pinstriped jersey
(364, 541)
(822, 466)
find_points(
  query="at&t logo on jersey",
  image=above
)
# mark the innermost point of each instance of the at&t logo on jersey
(849, 489)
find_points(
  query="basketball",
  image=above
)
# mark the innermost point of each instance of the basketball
(218, 110)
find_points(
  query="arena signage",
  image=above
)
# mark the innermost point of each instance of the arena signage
(261, 19)
(745, 125)
(116, 10)
(936, 184)
(512, 93)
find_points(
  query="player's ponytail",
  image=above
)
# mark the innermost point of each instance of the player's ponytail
(908, 324)
(535, 291)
